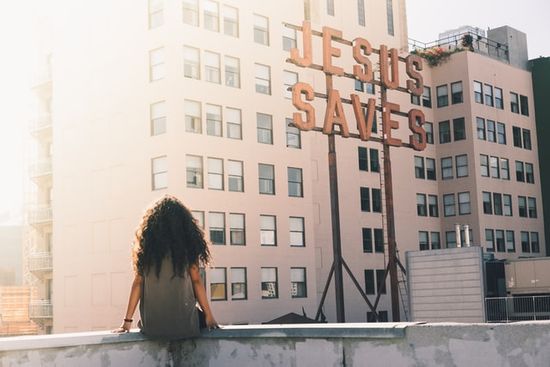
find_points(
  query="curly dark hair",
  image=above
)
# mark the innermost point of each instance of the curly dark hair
(168, 229)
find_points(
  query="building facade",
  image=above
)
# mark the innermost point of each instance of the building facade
(191, 98)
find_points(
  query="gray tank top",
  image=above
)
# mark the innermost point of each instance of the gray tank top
(168, 305)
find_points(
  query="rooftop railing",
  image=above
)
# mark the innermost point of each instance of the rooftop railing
(40, 214)
(40, 123)
(522, 308)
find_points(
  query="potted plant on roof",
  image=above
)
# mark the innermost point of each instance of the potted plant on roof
(468, 42)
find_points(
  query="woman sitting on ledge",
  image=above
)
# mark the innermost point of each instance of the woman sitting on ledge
(168, 249)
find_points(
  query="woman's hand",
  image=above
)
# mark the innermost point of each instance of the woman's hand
(124, 328)
(211, 323)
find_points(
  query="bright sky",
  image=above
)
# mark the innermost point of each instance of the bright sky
(427, 18)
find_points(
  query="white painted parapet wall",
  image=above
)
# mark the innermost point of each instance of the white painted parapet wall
(384, 344)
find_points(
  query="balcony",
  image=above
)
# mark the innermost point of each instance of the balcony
(41, 125)
(42, 79)
(41, 169)
(41, 309)
(40, 215)
(40, 261)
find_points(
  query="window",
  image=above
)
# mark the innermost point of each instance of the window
(442, 96)
(510, 241)
(376, 201)
(295, 185)
(415, 99)
(495, 168)
(507, 204)
(233, 117)
(447, 168)
(218, 284)
(268, 230)
(378, 240)
(217, 228)
(522, 206)
(504, 169)
(369, 282)
(535, 246)
(211, 15)
(478, 92)
(156, 64)
(264, 128)
(382, 316)
(529, 175)
(266, 178)
(289, 38)
(499, 99)
(381, 282)
(365, 199)
(191, 12)
(456, 93)
(270, 287)
(261, 30)
(435, 239)
(389, 11)
(461, 165)
(532, 207)
(459, 130)
(444, 132)
(237, 229)
(235, 176)
(156, 17)
(363, 159)
(199, 217)
(516, 132)
(215, 173)
(487, 203)
(238, 284)
(524, 105)
(421, 208)
(159, 167)
(490, 240)
(293, 135)
(423, 240)
(526, 133)
(488, 91)
(374, 160)
(193, 123)
(297, 232)
(214, 120)
(367, 240)
(429, 128)
(464, 203)
(298, 288)
(212, 67)
(330, 7)
(481, 133)
(491, 132)
(419, 167)
(499, 239)
(370, 89)
(497, 203)
(230, 21)
(158, 118)
(449, 205)
(484, 164)
(232, 72)
(525, 245)
(501, 133)
(289, 79)
(430, 169)
(433, 207)
(520, 172)
(262, 78)
(514, 102)
(194, 171)
(191, 62)
(427, 97)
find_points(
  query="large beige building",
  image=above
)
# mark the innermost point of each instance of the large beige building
(190, 98)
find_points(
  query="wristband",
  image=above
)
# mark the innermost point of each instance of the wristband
(128, 320)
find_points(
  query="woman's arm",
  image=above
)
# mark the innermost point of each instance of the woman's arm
(135, 294)
(200, 294)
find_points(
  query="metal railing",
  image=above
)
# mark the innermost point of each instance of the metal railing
(40, 261)
(522, 308)
(40, 122)
(41, 168)
(40, 214)
(41, 309)
(479, 44)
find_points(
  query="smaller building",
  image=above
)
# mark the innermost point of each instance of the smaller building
(15, 311)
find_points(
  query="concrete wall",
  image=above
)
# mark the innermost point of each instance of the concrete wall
(502, 345)
(446, 285)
